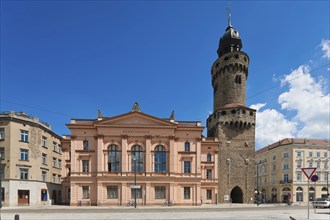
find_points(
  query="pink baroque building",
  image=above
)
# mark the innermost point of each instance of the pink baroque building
(112, 160)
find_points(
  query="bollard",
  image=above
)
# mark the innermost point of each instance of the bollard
(17, 217)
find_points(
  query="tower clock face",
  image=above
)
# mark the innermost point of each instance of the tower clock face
(234, 33)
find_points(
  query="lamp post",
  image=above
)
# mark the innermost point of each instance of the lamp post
(134, 159)
(228, 161)
(258, 193)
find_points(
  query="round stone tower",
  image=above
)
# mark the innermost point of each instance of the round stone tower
(232, 122)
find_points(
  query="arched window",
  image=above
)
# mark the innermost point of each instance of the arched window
(299, 188)
(324, 189)
(137, 158)
(209, 157)
(186, 146)
(113, 158)
(160, 159)
(85, 144)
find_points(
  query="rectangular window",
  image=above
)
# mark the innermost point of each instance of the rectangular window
(24, 173)
(3, 194)
(85, 144)
(24, 136)
(326, 154)
(286, 178)
(274, 157)
(59, 148)
(208, 194)
(299, 154)
(286, 155)
(310, 164)
(318, 154)
(55, 146)
(43, 176)
(59, 163)
(186, 166)
(325, 164)
(2, 153)
(85, 190)
(2, 133)
(44, 195)
(138, 193)
(310, 154)
(85, 165)
(208, 174)
(112, 192)
(274, 167)
(43, 141)
(299, 164)
(285, 166)
(24, 154)
(44, 159)
(325, 176)
(54, 178)
(186, 192)
(54, 162)
(318, 164)
(160, 192)
(187, 146)
(298, 176)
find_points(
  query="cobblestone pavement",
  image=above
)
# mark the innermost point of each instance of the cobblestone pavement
(205, 212)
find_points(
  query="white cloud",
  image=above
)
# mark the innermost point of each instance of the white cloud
(325, 45)
(271, 126)
(306, 98)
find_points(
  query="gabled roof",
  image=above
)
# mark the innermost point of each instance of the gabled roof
(134, 118)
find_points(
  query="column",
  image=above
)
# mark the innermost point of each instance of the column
(99, 199)
(198, 157)
(147, 192)
(124, 155)
(171, 157)
(99, 150)
(124, 198)
(148, 164)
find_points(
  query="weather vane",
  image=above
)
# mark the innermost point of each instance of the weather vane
(228, 9)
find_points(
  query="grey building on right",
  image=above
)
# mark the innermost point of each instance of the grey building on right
(232, 122)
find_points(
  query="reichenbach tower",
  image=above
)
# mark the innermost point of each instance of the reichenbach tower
(232, 122)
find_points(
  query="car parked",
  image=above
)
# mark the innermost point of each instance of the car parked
(321, 203)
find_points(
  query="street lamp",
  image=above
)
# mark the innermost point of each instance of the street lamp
(228, 161)
(258, 193)
(134, 159)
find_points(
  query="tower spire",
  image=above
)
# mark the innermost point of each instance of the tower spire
(228, 9)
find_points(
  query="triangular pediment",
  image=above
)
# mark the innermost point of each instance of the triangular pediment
(134, 119)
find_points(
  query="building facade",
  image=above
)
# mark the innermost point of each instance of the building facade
(279, 172)
(109, 161)
(31, 161)
(232, 122)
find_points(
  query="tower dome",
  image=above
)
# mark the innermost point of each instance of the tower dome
(230, 41)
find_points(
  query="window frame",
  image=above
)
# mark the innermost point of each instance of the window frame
(160, 159)
(187, 166)
(24, 154)
(85, 192)
(160, 192)
(24, 173)
(112, 192)
(24, 136)
(186, 193)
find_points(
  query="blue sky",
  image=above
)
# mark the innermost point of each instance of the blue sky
(66, 59)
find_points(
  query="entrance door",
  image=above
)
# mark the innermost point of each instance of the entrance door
(23, 197)
(236, 195)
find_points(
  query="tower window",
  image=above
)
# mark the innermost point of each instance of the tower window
(236, 56)
(238, 79)
(226, 58)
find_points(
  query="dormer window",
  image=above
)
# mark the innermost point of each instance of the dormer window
(85, 144)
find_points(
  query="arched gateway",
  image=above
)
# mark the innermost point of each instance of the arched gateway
(236, 195)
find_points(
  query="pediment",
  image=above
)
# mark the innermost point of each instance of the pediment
(135, 119)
